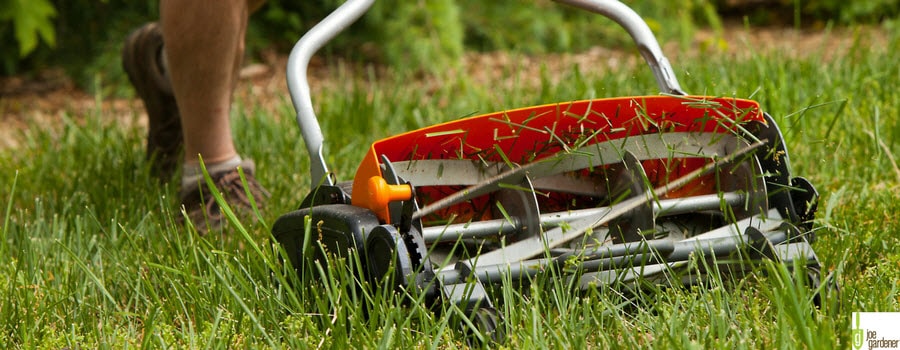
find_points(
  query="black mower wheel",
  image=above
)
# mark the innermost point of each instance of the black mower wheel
(823, 287)
(389, 261)
(337, 230)
(488, 327)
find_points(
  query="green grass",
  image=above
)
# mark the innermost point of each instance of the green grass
(91, 254)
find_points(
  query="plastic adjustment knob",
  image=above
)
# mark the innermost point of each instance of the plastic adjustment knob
(381, 193)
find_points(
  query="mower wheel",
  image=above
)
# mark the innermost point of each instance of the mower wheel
(388, 259)
(822, 286)
(488, 327)
(312, 234)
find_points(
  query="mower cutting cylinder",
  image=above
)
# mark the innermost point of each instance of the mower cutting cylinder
(758, 235)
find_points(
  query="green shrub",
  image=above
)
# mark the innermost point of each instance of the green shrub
(849, 12)
(810, 12)
(29, 22)
(88, 36)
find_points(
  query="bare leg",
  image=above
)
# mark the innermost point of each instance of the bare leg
(204, 45)
(190, 90)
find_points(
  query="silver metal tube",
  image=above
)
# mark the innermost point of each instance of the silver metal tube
(642, 35)
(298, 63)
(663, 207)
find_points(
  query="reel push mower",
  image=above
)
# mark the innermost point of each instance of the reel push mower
(619, 189)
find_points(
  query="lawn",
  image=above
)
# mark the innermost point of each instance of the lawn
(92, 254)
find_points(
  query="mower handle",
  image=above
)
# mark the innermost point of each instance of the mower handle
(642, 36)
(351, 10)
(298, 85)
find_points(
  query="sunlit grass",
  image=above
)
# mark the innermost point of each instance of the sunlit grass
(93, 254)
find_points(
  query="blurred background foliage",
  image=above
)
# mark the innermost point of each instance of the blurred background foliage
(84, 37)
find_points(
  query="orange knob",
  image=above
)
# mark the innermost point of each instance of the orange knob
(380, 194)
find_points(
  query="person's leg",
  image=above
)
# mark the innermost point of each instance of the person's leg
(200, 46)
(204, 47)
(203, 41)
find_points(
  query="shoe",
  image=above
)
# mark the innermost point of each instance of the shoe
(142, 61)
(203, 210)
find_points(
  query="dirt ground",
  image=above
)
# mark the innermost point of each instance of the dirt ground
(45, 100)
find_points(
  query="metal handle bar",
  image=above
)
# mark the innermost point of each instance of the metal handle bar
(298, 85)
(350, 11)
(642, 36)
